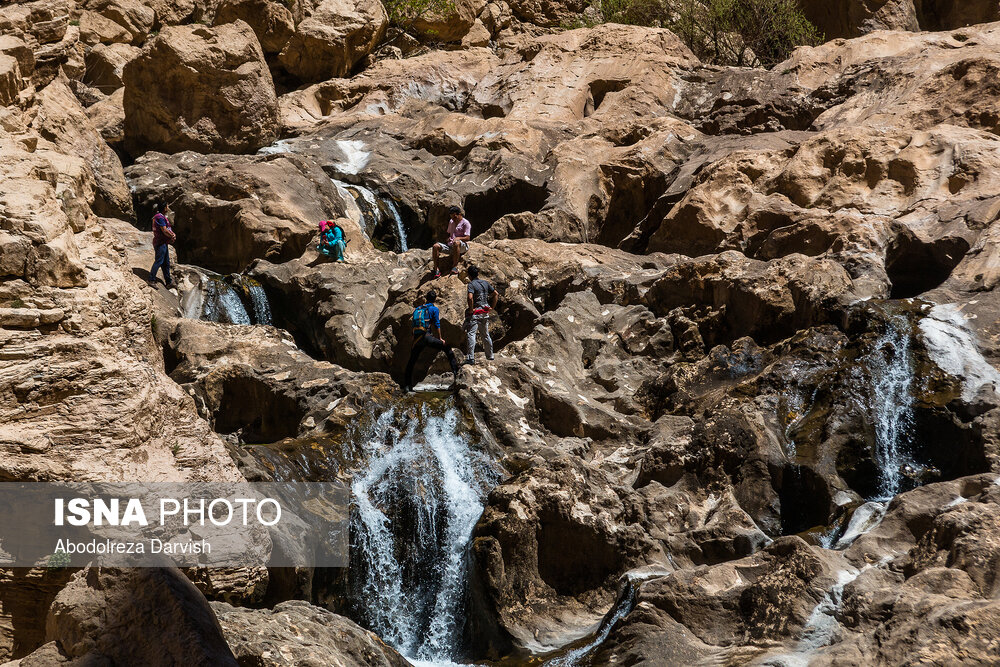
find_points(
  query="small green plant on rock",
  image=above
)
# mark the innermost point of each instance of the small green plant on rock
(57, 560)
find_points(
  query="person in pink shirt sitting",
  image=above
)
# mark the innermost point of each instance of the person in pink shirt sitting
(459, 233)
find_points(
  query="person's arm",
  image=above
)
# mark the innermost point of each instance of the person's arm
(436, 322)
(468, 233)
(471, 304)
(494, 297)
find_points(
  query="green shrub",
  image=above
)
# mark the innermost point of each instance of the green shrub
(727, 32)
(404, 13)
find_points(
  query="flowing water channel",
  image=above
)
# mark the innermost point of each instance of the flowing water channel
(377, 215)
(418, 497)
(231, 299)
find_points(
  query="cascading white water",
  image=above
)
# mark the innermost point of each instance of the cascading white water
(890, 370)
(400, 228)
(222, 304)
(374, 210)
(417, 502)
(233, 299)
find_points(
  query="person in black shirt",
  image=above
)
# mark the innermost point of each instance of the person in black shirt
(482, 300)
(427, 333)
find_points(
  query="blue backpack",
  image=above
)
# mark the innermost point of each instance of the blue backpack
(421, 320)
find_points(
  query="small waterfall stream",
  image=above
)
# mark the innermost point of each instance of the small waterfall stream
(375, 212)
(417, 500)
(232, 299)
(891, 372)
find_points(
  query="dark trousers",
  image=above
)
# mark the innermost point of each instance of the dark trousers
(419, 343)
(162, 259)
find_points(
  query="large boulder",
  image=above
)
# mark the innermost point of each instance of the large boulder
(228, 103)
(271, 21)
(450, 26)
(105, 614)
(851, 18)
(334, 38)
(106, 65)
(64, 124)
(298, 633)
(125, 21)
(230, 210)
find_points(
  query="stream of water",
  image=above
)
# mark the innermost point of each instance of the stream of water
(375, 211)
(418, 499)
(891, 372)
(232, 299)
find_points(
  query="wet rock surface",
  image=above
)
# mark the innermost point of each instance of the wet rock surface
(744, 403)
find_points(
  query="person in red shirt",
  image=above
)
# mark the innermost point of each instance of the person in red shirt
(163, 237)
(459, 233)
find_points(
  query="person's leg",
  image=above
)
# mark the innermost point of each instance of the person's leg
(338, 251)
(456, 253)
(439, 345)
(157, 262)
(418, 347)
(471, 326)
(435, 252)
(166, 265)
(487, 341)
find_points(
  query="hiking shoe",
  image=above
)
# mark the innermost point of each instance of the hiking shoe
(152, 283)
(469, 362)
(454, 271)
(171, 285)
(489, 358)
(437, 273)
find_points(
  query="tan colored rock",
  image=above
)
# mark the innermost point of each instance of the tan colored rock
(13, 46)
(478, 35)
(296, 632)
(104, 614)
(333, 39)
(98, 29)
(444, 77)
(229, 105)
(106, 65)
(11, 82)
(108, 118)
(135, 18)
(452, 27)
(271, 21)
(28, 318)
(65, 124)
(569, 75)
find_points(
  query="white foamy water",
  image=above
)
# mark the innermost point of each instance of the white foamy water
(370, 210)
(417, 501)
(209, 296)
(891, 406)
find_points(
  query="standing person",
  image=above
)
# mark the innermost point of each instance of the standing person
(482, 299)
(427, 333)
(459, 233)
(163, 238)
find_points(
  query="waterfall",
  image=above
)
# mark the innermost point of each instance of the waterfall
(375, 212)
(625, 603)
(890, 371)
(232, 299)
(417, 502)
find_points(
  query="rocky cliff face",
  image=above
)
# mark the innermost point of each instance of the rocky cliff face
(744, 407)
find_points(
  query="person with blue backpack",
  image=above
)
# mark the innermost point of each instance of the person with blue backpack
(427, 333)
